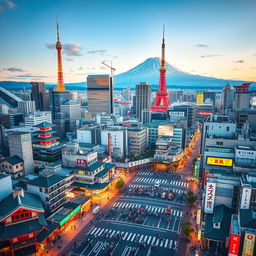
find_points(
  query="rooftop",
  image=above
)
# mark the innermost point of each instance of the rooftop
(11, 204)
(96, 186)
(46, 181)
(91, 167)
(14, 160)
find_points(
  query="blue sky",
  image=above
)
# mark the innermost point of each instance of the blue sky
(212, 38)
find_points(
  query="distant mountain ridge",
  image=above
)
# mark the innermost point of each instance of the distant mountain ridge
(147, 71)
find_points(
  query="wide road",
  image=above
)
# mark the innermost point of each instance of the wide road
(137, 221)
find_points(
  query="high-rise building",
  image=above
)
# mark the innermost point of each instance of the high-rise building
(37, 118)
(227, 98)
(143, 98)
(40, 96)
(15, 119)
(27, 107)
(100, 94)
(21, 146)
(57, 99)
(162, 101)
(242, 97)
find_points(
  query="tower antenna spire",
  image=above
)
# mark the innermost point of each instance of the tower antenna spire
(58, 32)
(163, 31)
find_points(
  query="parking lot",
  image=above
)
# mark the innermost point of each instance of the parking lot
(144, 219)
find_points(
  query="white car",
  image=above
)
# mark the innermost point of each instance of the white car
(157, 184)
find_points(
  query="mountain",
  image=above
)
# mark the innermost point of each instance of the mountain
(148, 71)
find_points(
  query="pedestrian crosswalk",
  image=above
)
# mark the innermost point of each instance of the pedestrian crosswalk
(145, 173)
(177, 191)
(167, 182)
(133, 237)
(154, 209)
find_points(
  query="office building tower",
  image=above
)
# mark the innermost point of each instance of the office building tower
(100, 94)
(27, 107)
(56, 100)
(227, 98)
(210, 97)
(20, 145)
(143, 98)
(40, 96)
(37, 118)
(15, 119)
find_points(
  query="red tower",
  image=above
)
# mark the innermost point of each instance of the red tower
(162, 101)
(60, 84)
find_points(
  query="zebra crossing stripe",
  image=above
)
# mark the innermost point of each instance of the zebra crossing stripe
(166, 243)
(153, 240)
(157, 242)
(141, 238)
(161, 244)
(175, 242)
(145, 239)
(170, 245)
(93, 231)
(129, 236)
(101, 231)
(97, 231)
(133, 237)
(125, 235)
(112, 233)
(149, 239)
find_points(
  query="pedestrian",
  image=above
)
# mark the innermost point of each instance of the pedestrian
(75, 227)
(91, 221)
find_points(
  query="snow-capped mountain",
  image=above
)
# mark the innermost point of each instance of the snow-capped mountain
(148, 71)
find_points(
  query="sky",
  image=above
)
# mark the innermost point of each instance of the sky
(211, 38)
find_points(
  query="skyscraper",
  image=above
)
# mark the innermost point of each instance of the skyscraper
(20, 145)
(40, 96)
(27, 107)
(99, 94)
(143, 98)
(162, 101)
(227, 98)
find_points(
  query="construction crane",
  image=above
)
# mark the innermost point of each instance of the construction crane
(111, 68)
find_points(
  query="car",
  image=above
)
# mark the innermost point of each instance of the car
(163, 195)
(168, 210)
(157, 184)
(96, 209)
(142, 207)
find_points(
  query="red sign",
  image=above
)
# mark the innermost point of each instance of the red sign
(204, 113)
(234, 244)
(81, 162)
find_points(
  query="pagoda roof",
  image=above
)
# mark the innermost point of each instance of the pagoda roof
(45, 139)
(10, 204)
(44, 125)
(43, 132)
(22, 228)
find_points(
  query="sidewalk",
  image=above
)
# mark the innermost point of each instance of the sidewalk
(68, 237)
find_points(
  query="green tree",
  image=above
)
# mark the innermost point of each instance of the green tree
(187, 228)
(191, 197)
(120, 184)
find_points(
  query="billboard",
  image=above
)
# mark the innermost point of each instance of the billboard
(81, 162)
(209, 197)
(139, 162)
(246, 198)
(200, 97)
(164, 130)
(219, 161)
(249, 241)
(234, 245)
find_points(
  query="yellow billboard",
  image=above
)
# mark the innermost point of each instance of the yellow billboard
(249, 241)
(200, 97)
(219, 161)
(165, 130)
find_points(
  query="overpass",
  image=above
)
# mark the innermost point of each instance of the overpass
(9, 98)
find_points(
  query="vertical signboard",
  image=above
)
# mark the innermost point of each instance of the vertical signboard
(246, 198)
(200, 97)
(198, 216)
(209, 197)
(234, 245)
(249, 241)
(81, 162)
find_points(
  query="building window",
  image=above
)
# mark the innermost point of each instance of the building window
(228, 129)
(219, 142)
